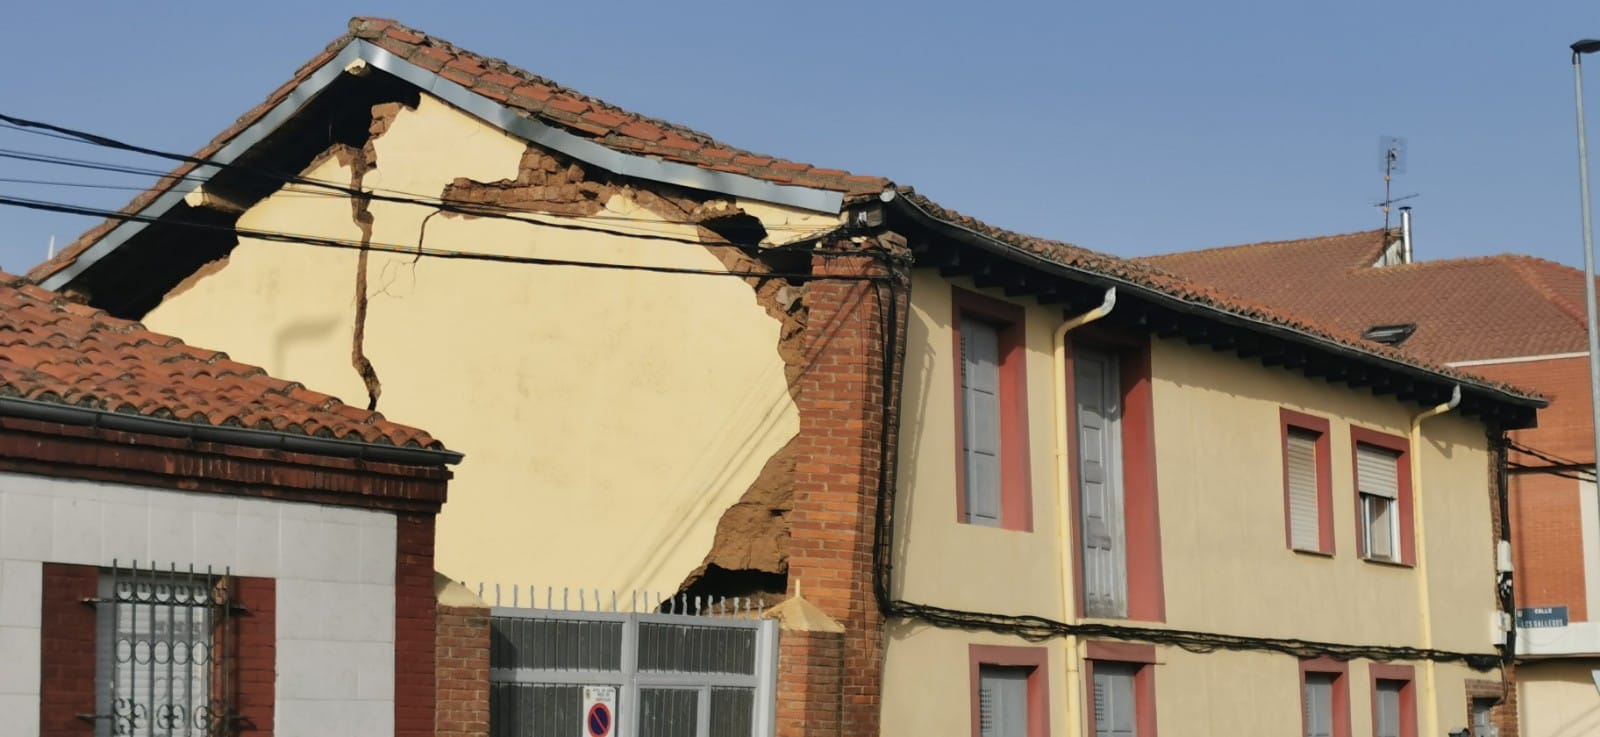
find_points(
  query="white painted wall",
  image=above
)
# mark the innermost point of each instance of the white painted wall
(335, 586)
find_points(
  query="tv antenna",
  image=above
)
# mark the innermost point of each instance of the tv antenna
(1392, 159)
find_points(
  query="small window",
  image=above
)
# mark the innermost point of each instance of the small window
(1307, 483)
(160, 653)
(1116, 707)
(1386, 715)
(1377, 484)
(1318, 700)
(1482, 718)
(1003, 701)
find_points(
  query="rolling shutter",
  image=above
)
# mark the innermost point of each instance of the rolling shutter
(1377, 471)
(980, 407)
(1386, 707)
(1300, 456)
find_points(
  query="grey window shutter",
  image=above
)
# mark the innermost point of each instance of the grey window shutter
(1003, 701)
(980, 406)
(1319, 705)
(1377, 471)
(1380, 526)
(1098, 390)
(1387, 706)
(1115, 710)
(1300, 455)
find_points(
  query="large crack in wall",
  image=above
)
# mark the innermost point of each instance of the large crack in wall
(749, 554)
(360, 161)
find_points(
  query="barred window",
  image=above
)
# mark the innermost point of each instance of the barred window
(162, 665)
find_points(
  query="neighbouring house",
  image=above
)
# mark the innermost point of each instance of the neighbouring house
(1008, 486)
(190, 546)
(1507, 317)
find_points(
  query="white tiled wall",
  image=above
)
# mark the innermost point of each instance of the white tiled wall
(335, 586)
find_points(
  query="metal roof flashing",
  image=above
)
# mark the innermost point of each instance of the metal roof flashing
(478, 106)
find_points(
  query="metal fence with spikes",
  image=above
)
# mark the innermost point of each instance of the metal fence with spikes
(682, 666)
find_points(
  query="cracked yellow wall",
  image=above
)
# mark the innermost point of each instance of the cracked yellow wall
(608, 417)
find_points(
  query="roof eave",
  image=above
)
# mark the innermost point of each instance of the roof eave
(472, 103)
(1035, 261)
(66, 414)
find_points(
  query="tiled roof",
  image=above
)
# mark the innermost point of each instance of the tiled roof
(1199, 289)
(527, 94)
(57, 351)
(1465, 309)
(550, 103)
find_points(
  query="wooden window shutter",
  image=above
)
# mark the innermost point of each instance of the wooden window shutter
(980, 406)
(1115, 710)
(1319, 705)
(1300, 455)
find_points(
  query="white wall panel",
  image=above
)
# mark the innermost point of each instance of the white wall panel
(334, 572)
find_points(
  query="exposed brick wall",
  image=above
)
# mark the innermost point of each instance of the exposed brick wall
(414, 622)
(1506, 714)
(810, 684)
(66, 639)
(462, 662)
(1564, 426)
(1547, 543)
(256, 640)
(840, 397)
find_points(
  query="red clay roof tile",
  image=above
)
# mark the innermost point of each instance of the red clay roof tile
(53, 350)
(1465, 309)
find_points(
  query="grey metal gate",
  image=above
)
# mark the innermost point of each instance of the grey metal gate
(676, 675)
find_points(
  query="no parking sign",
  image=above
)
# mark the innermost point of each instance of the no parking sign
(599, 711)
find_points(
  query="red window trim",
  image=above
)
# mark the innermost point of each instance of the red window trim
(1144, 680)
(1340, 670)
(1408, 695)
(1142, 515)
(1287, 419)
(1016, 488)
(1037, 658)
(1398, 444)
(69, 631)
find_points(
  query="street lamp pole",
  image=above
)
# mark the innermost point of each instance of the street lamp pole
(1588, 46)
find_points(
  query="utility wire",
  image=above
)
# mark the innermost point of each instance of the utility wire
(375, 193)
(438, 253)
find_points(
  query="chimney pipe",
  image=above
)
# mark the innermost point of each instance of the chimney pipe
(1405, 235)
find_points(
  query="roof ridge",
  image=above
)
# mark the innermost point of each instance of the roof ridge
(1522, 265)
(1260, 244)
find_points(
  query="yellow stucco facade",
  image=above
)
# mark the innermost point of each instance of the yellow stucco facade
(1559, 698)
(624, 464)
(1224, 559)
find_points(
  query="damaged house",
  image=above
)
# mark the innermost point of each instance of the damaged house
(1008, 486)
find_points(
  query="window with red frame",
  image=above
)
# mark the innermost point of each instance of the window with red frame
(1307, 483)
(991, 413)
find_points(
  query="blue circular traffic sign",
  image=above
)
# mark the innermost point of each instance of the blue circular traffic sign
(599, 720)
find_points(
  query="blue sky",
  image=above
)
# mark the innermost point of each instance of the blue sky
(1128, 127)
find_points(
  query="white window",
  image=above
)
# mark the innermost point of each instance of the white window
(980, 431)
(1318, 699)
(156, 665)
(1116, 705)
(1003, 701)
(1377, 481)
(1300, 467)
(1386, 708)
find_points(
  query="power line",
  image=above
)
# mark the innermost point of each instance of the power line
(444, 254)
(450, 205)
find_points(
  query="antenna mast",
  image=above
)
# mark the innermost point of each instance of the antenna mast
(1392, 161)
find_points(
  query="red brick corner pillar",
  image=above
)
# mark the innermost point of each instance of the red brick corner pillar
(810, 671)
(840, 399)
(462, 664)
(67, 646)
(414, 622)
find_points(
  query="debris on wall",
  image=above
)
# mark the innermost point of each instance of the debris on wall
(749, 554)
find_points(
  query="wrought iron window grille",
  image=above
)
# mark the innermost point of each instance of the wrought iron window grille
(165, 652)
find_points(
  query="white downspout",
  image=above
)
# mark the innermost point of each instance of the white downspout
(1059, 411)
(1430, 694)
